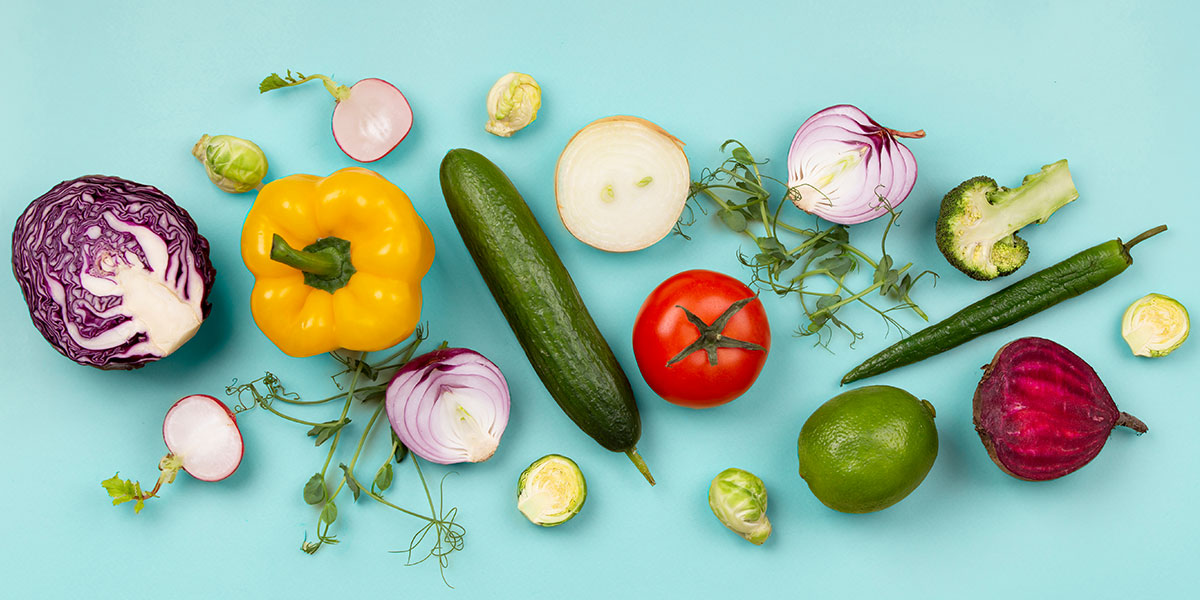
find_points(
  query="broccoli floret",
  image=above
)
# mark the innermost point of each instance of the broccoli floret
(978, 224)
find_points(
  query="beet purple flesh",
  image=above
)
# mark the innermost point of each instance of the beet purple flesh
(1042, 412)
(115, 274)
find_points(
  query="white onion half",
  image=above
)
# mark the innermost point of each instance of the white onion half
(621, 183)
(449, 406)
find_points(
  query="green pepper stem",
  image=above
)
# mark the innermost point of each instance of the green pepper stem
(309, 262)
(633, 455)
(1143, 237)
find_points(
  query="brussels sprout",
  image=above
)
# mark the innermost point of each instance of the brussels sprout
(512, 104)
(1155, 325)
(234, 164)
(739, 500)
(551, 490)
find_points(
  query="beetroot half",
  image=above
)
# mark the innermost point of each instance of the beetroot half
(1042, 412)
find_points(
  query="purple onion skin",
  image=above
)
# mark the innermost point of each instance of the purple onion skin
(64, 233)
(437, 356)
(1042, 412)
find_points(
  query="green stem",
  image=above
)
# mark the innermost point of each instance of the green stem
(391, 455)
(268, 406)
(339, 92)
(416, 463)
(633, 455)
(309, 262)
(362, 390)
(345, 409)
(381, 500)
(829, 309)
(358, 449)
(860, 254)
(406, 351)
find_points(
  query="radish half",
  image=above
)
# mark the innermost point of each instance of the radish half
(621, 183)
(372, 121)
(202, 433)
(371, 116)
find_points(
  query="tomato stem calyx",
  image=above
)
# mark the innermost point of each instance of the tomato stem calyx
(711, 336)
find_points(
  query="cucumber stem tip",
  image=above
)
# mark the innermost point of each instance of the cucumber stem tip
(633, 455)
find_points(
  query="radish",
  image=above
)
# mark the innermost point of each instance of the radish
(370, 119)
(202, 438)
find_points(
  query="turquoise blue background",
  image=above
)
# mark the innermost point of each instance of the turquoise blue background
(125, 88)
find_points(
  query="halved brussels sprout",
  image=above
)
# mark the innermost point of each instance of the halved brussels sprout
(739, 500)
(235, 165)
(1155, 325)
(512, 104)
(551, 490)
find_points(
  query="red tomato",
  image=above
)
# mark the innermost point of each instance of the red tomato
(663, 331)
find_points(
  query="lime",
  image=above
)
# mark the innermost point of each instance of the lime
(866, 449)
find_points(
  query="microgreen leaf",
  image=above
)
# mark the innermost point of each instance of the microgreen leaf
(351, 482)
(881, 271)
(121, 490)
(826, 301)
(326, 430)
(383, 479)
(734, 220)
(329, 514)
(771, 246)
(742, 155)
(838, 265)
(314, 490)
(274, 82)
(401, 450)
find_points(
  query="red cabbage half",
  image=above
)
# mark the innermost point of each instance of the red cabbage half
(115, 274)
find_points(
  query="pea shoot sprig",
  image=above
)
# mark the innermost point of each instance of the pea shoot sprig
(738, 190)
(440, 534)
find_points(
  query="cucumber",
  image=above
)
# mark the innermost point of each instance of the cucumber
(539, 299)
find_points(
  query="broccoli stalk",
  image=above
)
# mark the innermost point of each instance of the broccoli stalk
(976, 229)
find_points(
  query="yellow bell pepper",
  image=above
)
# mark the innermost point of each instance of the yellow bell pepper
(337, 262)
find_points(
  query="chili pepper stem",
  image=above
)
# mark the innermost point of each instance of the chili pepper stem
(633, 455)
(1143, 237)
(309, 262)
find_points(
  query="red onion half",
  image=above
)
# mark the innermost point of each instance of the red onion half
(449, 406)
(841, 161)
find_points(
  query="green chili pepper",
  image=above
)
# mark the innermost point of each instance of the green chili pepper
(1067, 279)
